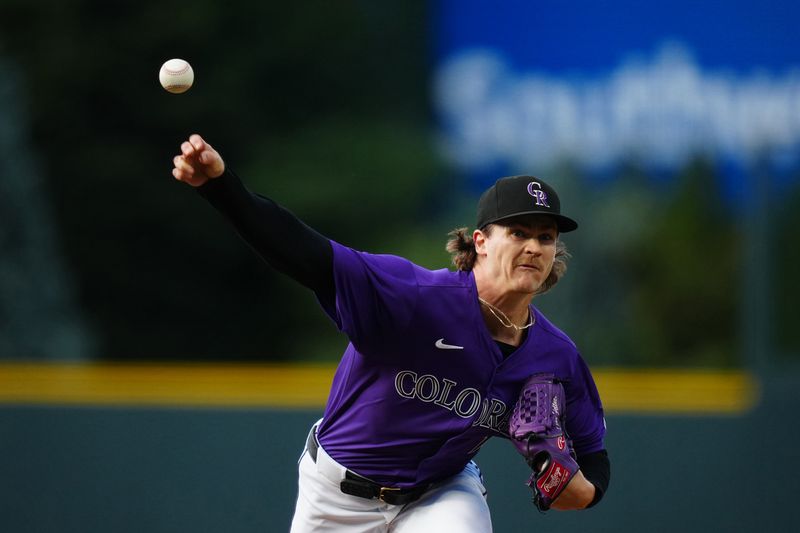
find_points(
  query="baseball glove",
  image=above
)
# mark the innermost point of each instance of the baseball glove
(537, 430)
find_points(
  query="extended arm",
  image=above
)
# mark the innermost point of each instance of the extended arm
(279, 237)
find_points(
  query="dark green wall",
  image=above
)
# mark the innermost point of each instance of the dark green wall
(149, 470)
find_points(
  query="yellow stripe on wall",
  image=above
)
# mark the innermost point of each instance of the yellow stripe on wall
(306, 386)
(677, 391)
(211, 385)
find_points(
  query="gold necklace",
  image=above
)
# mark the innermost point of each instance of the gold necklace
(507, 322)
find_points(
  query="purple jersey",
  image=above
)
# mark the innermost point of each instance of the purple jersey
(422, 384)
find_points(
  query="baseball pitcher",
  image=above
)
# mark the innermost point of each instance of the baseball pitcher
(437, 362)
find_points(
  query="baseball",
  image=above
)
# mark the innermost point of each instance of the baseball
(176, 76)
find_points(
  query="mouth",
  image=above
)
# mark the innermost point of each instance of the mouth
(526, 266)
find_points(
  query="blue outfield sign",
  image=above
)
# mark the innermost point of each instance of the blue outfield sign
(527, 84)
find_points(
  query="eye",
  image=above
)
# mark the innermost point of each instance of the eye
(547, 237)
(518, 233)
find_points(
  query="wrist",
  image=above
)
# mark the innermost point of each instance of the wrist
(578, 494)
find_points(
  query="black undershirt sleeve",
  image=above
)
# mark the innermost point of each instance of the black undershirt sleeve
(275, 234)
(596, 468)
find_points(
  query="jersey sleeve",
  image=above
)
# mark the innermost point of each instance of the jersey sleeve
(585, 420)
(375, 296)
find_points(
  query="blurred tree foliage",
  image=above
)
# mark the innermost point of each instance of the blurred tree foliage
(322, 104)
(654, 269)
(38, 313)
(785, 283)
(686, 262)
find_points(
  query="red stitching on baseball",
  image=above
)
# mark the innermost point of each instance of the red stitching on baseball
(175, 72)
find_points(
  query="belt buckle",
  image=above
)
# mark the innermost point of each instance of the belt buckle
(386, 489)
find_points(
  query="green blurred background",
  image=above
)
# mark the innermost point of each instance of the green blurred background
(327, 107)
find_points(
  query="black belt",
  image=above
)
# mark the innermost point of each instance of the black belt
(357, 485)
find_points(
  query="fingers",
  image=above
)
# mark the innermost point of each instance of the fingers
(205, 157)
(199, 150)
(182, 164)
(197, 142)
(187, 149)
(195, 147)
(197, 162)
(183, 171)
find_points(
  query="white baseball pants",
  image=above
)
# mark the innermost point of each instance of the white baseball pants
(455, 504)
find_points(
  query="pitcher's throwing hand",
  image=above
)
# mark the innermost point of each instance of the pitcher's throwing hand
(197, 163)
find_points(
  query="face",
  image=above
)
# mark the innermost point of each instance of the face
(519, 254)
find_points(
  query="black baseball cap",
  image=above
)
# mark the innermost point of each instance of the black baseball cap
(521, 195)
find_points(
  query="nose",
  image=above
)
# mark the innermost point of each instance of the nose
(533, 247)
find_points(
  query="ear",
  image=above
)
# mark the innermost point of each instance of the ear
(479, 238)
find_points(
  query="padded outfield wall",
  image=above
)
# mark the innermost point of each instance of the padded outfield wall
(134, 449)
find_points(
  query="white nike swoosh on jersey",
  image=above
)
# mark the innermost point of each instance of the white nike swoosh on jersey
(442, 346)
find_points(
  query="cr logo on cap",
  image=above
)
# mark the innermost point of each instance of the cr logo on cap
(538, 194)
